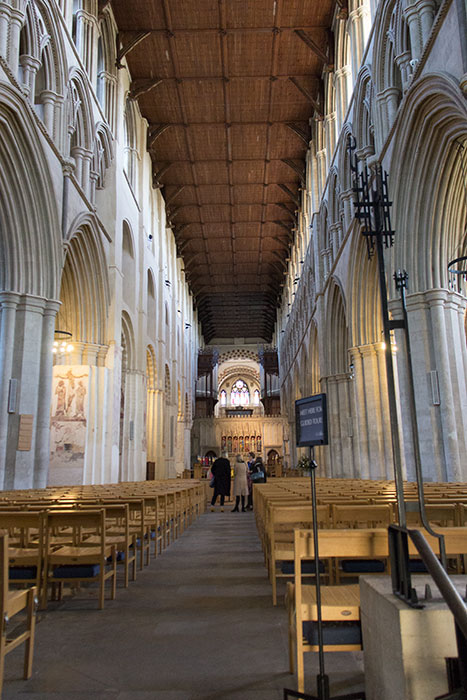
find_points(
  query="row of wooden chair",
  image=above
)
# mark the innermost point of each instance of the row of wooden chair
(55, 538)
(47, 532)
(279, 511)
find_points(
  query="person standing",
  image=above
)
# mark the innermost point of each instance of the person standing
(251, 461)
(240, 487)
(220, 471)
(257, 476)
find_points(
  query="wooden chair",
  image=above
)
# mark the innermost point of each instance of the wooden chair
(281, 523)
(340, 605)
(13, 602)
(25, 551)
(92, 561)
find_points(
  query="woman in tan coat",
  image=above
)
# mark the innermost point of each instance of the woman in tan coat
(240, 485)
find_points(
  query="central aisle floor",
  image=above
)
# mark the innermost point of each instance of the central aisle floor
(197, 624)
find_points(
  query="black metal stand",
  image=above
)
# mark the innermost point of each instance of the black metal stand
(322, 680)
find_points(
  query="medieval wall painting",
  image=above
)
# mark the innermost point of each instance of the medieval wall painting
(69, 408)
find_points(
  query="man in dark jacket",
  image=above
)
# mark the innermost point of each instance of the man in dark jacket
(220, 471)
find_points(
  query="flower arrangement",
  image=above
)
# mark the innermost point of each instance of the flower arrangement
(303, 463)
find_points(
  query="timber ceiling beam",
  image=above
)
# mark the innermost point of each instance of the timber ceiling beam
(299, 169)
(311, 43)
(220, 31)
(132, 39)
(295, 198)
(298, 129)
(140, 87)
(319, 108)
(154, 131)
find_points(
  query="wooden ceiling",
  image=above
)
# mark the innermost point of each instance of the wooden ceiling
(228, 88)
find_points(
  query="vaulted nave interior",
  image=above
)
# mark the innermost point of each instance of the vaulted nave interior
(181, 258)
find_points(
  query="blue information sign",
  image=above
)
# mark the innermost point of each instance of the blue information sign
(311, 420)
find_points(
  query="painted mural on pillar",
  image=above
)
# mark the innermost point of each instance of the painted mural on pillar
(70, 388)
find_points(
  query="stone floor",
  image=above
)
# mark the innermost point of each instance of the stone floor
(197, 624)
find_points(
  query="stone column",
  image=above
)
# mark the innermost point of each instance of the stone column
(372, 417)
(439, 354)
(342, 94)
(42, 451)
(30, 66)
(5, 15)
(427, 12)
(452, 385)
(30, 364)
(413, 20)
(14, 30)
(8, 305)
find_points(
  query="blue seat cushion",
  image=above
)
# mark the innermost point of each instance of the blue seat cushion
(77, 571)
(22, 572)
(308, 567)
(334, 632)
(416, 566)
(358, 566)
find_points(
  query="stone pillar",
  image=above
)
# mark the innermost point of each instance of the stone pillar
(27, 357)
(439, 351)
(42, 451)
(452, 385)
(357, 41)
(5, 15)
(412, 17)
(372, 417)
(339, 426)
(342, 95)
(15, 23)
(30, 66)
(8, 305)
(427, 12)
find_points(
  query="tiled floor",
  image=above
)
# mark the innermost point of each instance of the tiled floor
(198, 624)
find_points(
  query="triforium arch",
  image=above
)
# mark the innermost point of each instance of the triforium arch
(30, 263)
(84, 286)
(42, 64)
(430, 231)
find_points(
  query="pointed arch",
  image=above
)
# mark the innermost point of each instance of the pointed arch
(364, 298)
(31, 257)
(85, 289)
(429, 212)
(337, 331)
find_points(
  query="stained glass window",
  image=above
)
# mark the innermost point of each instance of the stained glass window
(240, 396)
(223, 397)
(256, 397)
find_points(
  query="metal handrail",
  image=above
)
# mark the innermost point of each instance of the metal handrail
(453, 600)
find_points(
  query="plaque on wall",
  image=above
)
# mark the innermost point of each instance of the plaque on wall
(26, 423)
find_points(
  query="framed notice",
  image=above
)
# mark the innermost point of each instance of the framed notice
(311, 420)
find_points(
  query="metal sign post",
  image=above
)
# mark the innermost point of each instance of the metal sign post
(312, 429)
